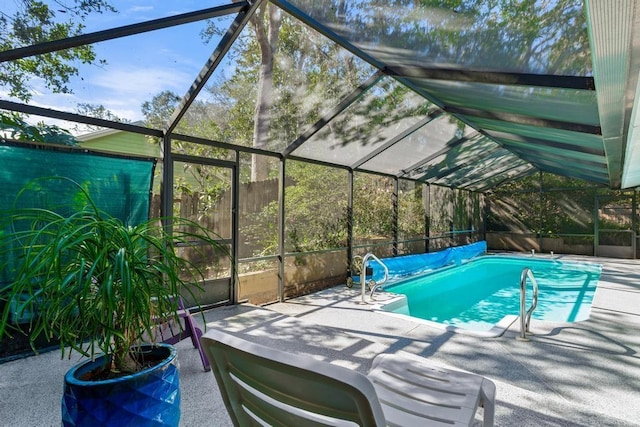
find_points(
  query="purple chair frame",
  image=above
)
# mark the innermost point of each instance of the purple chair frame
(168, 335)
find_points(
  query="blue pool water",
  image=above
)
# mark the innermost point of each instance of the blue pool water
(479, 294)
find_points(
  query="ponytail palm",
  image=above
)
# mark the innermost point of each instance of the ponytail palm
(96, 284)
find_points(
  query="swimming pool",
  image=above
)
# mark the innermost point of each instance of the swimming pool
(483, 295)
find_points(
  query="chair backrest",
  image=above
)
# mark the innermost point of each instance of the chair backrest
(264, 385)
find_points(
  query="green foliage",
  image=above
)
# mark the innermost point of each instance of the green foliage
(310, 74)
(200, 120)
(17, 128)
(261, 231)
(36, 22)
(567, 207)
(317, 213)
(158, 111)
(98, 111)
(96, 283)
(316, 207)
(208, 193)
(411, 211)
(440, 209)
(372, 206)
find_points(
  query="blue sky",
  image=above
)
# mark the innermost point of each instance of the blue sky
(138, 67)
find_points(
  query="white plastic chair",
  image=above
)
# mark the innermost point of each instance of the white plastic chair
(264, 386)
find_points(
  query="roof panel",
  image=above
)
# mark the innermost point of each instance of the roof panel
(615, 39)
(571, 146)
(557, 104)
(490, 169)
(542, 150)
(560, 168)
(472, 159)
(384, 111)
(545, 40)
(297, 98)
(424, 142)
(577, 139)
(500, 178)
(591, 171)
(518, 72)
(541, 37)
(465, 161)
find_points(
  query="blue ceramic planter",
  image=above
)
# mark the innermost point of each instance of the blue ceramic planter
(147, 398)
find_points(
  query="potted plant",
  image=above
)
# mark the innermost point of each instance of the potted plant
(99, 286)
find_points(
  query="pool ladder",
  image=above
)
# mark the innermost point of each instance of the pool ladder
(374, 285)
(525, 315)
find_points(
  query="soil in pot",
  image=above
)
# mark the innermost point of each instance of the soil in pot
(145, 361)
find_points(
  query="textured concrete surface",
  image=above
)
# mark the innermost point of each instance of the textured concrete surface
(569, 374)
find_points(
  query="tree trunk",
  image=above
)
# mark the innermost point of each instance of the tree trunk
(267, 37)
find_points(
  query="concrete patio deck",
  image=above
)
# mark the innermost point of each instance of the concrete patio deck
(569, 374)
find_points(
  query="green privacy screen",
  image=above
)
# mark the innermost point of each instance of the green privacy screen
(118, 185)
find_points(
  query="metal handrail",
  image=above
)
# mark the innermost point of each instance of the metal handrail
(373, 289)
(525, 315)
(363, 274)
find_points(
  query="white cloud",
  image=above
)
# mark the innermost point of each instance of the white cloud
(121, 90)
(134, 86)
(138, 67)
(135, 9)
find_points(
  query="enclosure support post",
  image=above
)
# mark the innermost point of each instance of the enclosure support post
(235, 223)
(541, 215)
(166, 207)
(349, 219)
(634, 221)
(427, 215)
(395, 215)
(486, 208)
(595, 223)
(281, 232)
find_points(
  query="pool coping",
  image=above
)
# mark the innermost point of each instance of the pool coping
(395, 301)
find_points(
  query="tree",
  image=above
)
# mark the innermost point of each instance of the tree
(15, 127)
(275, 93)
(97, 111)
(36, 22)
(266, 23)
(201, 119)
(285, 76)
(158, 111)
